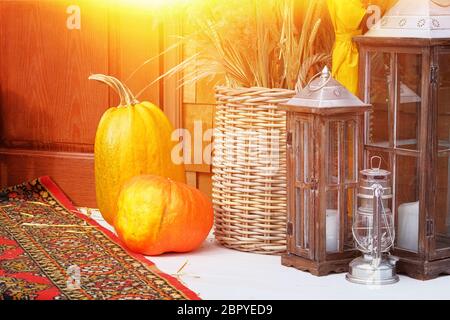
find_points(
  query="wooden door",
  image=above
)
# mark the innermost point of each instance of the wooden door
(301, 186)
(49, 111)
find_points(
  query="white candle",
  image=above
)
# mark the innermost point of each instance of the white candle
(408, 226)
(332, 230)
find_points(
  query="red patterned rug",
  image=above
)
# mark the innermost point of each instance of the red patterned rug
(50, 251)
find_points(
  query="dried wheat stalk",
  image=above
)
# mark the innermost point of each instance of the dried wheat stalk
(270, 43)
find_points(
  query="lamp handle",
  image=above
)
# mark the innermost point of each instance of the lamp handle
(372, 161)
(318, 87)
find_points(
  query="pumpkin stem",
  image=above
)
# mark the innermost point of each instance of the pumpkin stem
(126, 97)
(131, 98)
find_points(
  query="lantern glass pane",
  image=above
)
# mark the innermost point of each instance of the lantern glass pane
(407, 202)
(334, 145)
(351, 151)
(303, 200)
(409, 86)
(363, 229)
(442, 218)
(332, 221)
(444, 102)
(442, 211)
(380, 121)
(364, 224)
(306, 212)
(298, 218)
(302, 151)
(350, 207)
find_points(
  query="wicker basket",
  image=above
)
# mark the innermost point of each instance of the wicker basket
(249, 167)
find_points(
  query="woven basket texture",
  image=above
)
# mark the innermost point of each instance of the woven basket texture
(249, 169)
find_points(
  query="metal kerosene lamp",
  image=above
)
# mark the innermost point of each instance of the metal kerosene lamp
(373, 229)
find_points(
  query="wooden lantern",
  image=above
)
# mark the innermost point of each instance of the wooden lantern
(405, 72)
(325, 144)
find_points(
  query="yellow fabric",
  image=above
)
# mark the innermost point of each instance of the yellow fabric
(346, 16)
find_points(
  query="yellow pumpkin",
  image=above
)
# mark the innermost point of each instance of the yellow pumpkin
(132, 139)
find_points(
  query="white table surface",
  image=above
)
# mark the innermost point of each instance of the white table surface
(214, 272)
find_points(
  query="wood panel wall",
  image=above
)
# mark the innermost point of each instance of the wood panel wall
(49, 111)
(198, 112)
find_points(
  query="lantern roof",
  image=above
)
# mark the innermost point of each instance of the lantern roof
(324, 93)
(425, 19)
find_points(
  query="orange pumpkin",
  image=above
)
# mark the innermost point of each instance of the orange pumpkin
(132, 139)
(157, 215)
